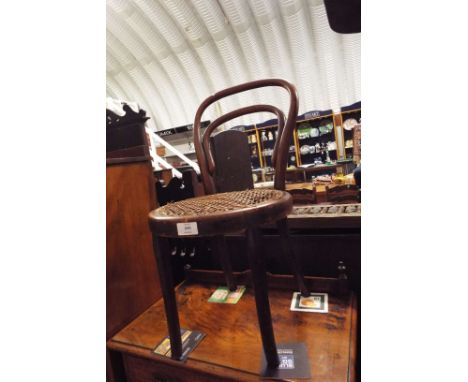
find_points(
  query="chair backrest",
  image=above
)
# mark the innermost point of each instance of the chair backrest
(280, 152)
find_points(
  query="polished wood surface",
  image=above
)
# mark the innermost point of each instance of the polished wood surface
(232, 348)
(131, 274)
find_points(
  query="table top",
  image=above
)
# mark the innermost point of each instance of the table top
(232, 334)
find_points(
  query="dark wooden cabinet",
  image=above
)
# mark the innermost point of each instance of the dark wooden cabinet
(132, 283)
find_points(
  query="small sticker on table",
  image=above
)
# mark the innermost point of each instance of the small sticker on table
(222, 295)
(293, 363)
(184, 229)
(190, 339)
(316, 302)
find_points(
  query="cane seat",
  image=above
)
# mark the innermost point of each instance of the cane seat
(222, 213)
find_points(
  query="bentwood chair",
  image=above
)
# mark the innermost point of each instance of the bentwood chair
(215, 215)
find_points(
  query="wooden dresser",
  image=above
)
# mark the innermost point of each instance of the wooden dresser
(132, 283)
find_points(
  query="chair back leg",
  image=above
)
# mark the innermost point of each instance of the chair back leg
(220, 248)
(291, 256)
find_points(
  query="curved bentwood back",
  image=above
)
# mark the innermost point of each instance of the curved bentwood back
(280, 151)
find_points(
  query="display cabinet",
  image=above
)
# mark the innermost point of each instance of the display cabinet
(316, 138)
(268, 133)
(351, 117)
(254, 146)
(321, 140)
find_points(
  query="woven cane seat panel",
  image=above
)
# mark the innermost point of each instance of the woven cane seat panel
(220, 214)
(218, 203)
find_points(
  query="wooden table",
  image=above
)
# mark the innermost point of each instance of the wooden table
(232, 347)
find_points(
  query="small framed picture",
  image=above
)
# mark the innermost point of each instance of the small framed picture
(316, 302)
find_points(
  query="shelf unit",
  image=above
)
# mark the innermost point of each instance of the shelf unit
(262, 138)
(354, 113)
(268, 135)
(318, 142)
(255, 151)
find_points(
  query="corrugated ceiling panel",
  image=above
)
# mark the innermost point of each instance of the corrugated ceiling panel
(168, 55)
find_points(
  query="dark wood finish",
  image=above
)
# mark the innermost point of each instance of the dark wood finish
(303, 195)
(126, 136)
(232, 155)
(292, 258)
(143, 370)
(132, 284)
(220, 214)
(131, 277)
(130, 152)
(320, 252)
(222, 221)
(283, 146)
(262, 304)
(231, 350)
(163, 260)
(115, 371)
(220, 248)
(131, 159)
(235, 114)
(342, 194)
(330, 285)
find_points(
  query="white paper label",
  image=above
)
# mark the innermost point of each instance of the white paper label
(184, 229)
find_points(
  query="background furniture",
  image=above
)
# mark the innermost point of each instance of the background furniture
(132, 284)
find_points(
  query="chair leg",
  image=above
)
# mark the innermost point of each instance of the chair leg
(219, 245)
(291, 256)
(259, 280)
(162, 253)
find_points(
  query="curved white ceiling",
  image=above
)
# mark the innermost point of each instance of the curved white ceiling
(169, 55)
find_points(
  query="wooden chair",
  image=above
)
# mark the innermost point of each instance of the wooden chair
(215, 215)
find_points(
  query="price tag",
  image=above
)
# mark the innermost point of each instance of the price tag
(184, 229)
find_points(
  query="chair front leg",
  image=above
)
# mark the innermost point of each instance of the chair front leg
(163, 259)
(259, 280)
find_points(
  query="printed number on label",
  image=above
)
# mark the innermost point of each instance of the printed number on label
(187, 229)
